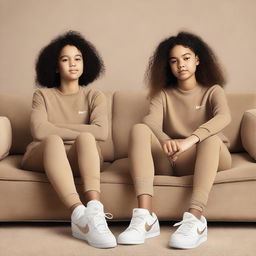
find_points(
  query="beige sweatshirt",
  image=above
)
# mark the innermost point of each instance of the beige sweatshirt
(69, 115)
(177, 114)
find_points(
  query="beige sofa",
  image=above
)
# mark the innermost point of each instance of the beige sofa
(28, 196)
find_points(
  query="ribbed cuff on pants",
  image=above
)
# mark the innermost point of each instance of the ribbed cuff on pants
(92, 183)
(143, 186)
(199, 200)
(71, 200)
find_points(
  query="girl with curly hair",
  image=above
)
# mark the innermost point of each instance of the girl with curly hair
(67, 121)
(181, 135)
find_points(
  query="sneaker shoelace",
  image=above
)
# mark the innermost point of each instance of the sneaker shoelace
(185, 226)
(100, 223)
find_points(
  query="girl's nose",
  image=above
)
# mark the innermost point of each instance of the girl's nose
(181, 65)
(72, 63)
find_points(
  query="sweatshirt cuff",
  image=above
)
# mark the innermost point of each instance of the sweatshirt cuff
(201, 133)
(163, 137)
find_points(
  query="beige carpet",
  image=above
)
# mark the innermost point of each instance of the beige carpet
(46, 239)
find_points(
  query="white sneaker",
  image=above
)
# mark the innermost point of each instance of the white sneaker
(190, 234)
(89, 224)
(143, 225)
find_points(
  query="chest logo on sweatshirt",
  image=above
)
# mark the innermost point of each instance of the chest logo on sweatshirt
(81, 112)
(198, 107)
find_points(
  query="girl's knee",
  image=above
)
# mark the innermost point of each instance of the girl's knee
(53, 139)
(85, 137)
(140, 129)
(214, 139)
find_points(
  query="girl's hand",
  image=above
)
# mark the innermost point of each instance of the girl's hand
(173, 148)
(170, 147)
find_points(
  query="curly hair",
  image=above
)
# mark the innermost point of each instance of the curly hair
(47, 61)
(159, 76)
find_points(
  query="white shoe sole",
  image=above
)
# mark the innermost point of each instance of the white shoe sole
(101, 245)
(180, 245)
(149, 235)
(97, 245)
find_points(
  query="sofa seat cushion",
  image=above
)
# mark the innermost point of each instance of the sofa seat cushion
(243, 169)
(10, 169)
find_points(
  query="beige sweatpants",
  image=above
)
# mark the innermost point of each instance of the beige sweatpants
(61, 162)
(203, 160)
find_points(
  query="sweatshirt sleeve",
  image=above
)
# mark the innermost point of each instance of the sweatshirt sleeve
(98, 126)
(221, 115)
(154, 119)
(41, 127)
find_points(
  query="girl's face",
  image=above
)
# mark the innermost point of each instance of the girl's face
(183, 62)
(70, 63)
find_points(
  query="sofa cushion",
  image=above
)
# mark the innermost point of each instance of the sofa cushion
(130, 108)
(243, 169)
(17, 108)
(10, 169)
(5, 136)
(238, 104)
(232, 197)
(107, 146)
(248, 132)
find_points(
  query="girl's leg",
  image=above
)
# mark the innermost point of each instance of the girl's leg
(210, 156)
(84, 157)
(50, 156)
(203, 161)
(146, 158)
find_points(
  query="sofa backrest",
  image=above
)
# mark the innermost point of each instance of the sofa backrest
(18, 107)
(129, 108)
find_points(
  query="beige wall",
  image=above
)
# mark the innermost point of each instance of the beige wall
(126, 33)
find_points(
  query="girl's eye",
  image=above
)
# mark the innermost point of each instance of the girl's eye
(64, 60)
(172, 61)
(78, 59)
(187, 58)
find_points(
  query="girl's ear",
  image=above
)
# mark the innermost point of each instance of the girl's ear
(197, 60)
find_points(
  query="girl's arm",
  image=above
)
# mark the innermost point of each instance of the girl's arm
(98, 126)
(221, 118)
(41, 127)
(154, 119)
(221, 115)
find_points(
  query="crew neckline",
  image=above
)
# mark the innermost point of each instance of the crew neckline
(195, 89)
(71, 94)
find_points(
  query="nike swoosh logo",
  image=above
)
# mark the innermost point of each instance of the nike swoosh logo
(84, 229)
(82, 112)
(198, 107)
(148, 227)
(200, 232)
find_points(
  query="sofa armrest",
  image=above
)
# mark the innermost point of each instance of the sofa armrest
(5, 136)
(248, 132)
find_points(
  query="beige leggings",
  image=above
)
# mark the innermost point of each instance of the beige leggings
(61, 162)
(203, 160)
